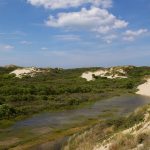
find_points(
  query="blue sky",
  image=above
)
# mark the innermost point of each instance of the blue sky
(78, 33)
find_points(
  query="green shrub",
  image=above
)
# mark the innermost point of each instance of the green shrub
(6, 111)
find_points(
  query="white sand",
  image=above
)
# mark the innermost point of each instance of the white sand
(25, 71)
(144, 89)
(89, 75)
(137, 129)
(108, 73)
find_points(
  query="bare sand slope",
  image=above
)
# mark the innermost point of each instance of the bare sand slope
(110, 73)
(142, 128)
(144, 89)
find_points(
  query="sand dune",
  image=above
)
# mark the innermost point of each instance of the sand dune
(110, 73)
(144, 89)
(25, 71)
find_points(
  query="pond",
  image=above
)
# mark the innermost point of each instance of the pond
(38, 125)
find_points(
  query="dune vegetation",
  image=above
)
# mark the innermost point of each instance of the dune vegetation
(60, 89)
(131, 132)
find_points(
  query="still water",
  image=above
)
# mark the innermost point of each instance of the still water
(46, 123)
(121, 105)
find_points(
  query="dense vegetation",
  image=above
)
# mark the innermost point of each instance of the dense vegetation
(59, 89)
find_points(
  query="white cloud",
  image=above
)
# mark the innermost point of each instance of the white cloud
(109, 38)
(26, 42)
(96, 19)
(57, 4)
(44, 48)
(93, 19)
(130, 35)
(6, 48)
(68, 37)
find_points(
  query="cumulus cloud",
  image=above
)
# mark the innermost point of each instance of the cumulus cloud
(93, 19)
(96, 19)
(57, 4)
(130, 35)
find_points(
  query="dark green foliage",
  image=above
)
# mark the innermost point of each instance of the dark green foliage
(130, 85)
(7, 111)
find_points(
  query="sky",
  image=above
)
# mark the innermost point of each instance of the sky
(75, 33)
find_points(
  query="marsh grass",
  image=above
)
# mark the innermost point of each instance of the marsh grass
(128, 141)
(105, 129)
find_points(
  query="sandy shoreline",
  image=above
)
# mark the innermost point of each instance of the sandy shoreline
(144, 89)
